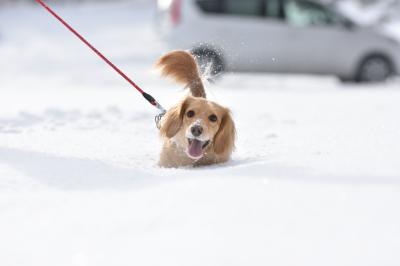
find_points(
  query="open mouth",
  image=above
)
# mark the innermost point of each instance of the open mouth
(196, 148)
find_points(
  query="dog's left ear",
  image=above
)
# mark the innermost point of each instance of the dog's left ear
(173, 119)
(224, 141)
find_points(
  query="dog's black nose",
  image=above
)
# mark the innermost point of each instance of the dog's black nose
(196, 130)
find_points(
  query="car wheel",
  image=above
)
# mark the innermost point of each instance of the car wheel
(209, 61)
(374, 68)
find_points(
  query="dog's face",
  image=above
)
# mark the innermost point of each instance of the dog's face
(198, 125)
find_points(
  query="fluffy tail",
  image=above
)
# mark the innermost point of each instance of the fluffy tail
(182, 67)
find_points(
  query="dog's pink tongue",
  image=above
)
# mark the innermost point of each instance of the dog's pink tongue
(196, 149)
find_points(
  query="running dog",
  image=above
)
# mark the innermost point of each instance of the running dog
(196, 131)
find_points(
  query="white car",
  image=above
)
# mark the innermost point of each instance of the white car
(286, 36)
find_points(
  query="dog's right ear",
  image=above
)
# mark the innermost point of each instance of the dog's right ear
(173, 119)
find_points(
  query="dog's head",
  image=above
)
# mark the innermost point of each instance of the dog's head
(198, 126)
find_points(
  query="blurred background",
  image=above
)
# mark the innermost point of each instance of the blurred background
(356, 41)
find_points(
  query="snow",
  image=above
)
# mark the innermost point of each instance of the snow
(315, 179)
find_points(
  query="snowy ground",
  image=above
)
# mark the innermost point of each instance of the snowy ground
(315, 179)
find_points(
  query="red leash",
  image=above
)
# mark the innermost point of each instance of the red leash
(147, 96)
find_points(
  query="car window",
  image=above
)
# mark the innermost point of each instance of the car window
(210, 6)
(232, 7)
(243, 7)
(304, 13)
(274, 9)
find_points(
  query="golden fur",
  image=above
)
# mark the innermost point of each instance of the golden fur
(218, 135)
(181, 66)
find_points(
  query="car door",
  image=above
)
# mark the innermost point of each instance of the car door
(249, 39)
(292, 36)
(318, 38)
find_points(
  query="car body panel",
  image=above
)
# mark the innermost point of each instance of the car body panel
(273, 45)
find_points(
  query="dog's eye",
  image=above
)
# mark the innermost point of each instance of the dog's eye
(213, 118)
(190, 113)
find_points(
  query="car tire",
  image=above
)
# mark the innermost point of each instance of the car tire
(210, 62)
(374, 68)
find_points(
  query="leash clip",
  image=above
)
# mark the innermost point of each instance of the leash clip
(158, 118)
